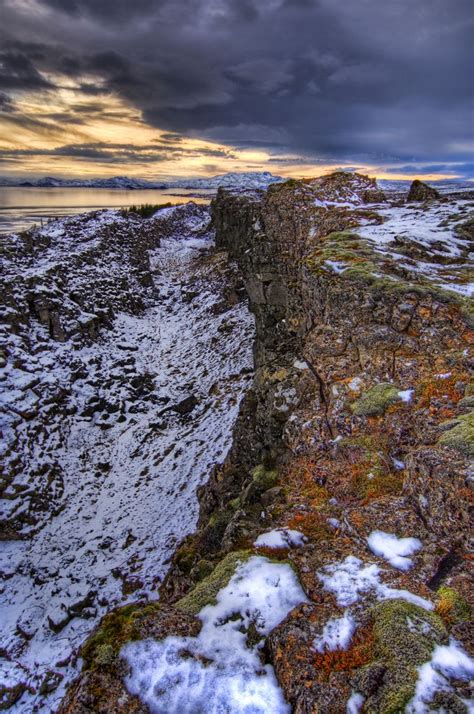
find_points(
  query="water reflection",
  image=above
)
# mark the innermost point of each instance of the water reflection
(20, 207)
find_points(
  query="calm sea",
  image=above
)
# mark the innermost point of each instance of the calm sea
(21, 208)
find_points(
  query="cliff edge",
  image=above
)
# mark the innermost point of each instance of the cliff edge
(348, 479)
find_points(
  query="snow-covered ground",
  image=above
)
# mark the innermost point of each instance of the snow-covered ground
(130, 466)
(444, 256)
(219, 670)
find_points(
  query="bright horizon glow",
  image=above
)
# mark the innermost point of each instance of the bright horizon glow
(67, 120)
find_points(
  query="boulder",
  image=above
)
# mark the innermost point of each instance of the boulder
(420, 191)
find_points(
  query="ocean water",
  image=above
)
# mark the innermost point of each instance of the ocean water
(22, 207)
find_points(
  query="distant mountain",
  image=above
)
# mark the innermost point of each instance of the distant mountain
(443, 185)
(258, 179)
(230, 180)
(121, 182)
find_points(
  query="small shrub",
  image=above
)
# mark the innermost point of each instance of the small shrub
(146, 210)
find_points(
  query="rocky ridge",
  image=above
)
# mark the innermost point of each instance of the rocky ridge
(350, 461)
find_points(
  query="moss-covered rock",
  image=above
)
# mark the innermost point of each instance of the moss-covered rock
(206, 591)
(376, 401)
(451, 606)
(404, 638)
(185, 557)
(461, 436)
(119, 626)
(263, 478)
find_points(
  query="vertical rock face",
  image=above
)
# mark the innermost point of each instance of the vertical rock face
(357, 430)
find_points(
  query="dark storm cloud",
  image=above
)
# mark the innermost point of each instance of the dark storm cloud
(6, 104)
(323, 78)
(17, 71)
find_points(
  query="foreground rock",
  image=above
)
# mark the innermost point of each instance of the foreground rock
(351, 459)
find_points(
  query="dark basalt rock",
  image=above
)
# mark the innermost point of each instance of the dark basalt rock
(420, 191)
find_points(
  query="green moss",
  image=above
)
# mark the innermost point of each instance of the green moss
(466, 402)
(235, 503)
(264, 478)
(185, 556)
(206, 591)
(119, 626)
(342, 246)
(368, 464)
(452, 606)
(404, 637)
(104, 655)
(461, 436)
(202, 569)
(380, 272)
(469, 391)
(376, 401)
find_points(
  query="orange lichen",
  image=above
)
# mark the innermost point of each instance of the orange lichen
(273, 553)
(312, 524)
(446, 389)
(369, 480)
(360, 652)
(301, 477)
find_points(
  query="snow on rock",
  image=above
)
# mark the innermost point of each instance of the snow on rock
(336, 635)
(336, 266)
(102, 460)
(219, 671)
(350, 578)
(447, 662)
(426, 242)
(395, 550)
(354, 703)
(280, 538)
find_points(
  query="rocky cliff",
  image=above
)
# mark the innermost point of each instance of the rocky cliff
(351, 461)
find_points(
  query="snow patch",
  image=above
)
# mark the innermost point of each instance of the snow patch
(336, 635)
(348, 579)
(218, 671)
(337, 266)
(447, 662)
(406, 395)
(354, 703)
(280, 538)
(395, 550)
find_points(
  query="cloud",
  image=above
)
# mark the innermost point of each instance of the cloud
(322, 79)
(262, 75)
(17, 71)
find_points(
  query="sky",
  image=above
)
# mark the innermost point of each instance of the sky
(167, 88)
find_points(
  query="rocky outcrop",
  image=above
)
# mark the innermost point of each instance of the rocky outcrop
(357, 425)
(420, 191)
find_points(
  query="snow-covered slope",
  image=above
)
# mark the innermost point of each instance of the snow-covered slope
(115, 411)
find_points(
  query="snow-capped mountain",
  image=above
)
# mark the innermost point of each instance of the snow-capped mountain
(257, 179)
(120, 182)
(231, 180)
